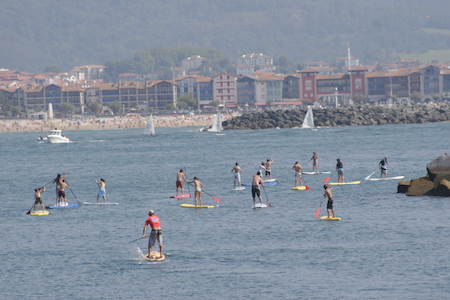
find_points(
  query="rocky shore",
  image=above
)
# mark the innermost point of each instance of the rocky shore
(343, 116)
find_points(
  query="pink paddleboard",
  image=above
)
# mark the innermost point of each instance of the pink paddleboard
(181, 196)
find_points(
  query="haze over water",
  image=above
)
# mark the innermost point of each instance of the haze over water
(387, 246)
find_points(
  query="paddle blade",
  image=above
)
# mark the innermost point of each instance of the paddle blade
(217, 199)
(28, 212)
(317, 212)
(307, 187)
(268, 204)
(327, 179)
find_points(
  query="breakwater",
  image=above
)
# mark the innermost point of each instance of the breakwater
(342, 116)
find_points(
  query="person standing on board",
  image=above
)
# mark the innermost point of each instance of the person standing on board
(383, 167)
(237, 174)
(57, 181)
(340, 170)
(298, 174)
(179, 184)
(328, 194)
(268, 165)
(155, 234)
(256, 191)
(62, 193)
(37, 197)
(198, 191)
(101, 189)
(315, 159)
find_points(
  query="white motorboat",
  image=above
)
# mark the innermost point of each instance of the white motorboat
(55, 137)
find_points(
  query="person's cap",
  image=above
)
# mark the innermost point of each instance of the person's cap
(151, 212)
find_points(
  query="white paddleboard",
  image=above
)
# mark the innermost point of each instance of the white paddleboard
(259, 205)
(100, 203)
(388, 178)
(270, 180)
(315, 173)
(239, 188)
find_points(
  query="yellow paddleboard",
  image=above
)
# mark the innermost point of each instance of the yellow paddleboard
(326, 218)
(40, 213)
(154, 256)
(196, 206)
(299, 188)
(342, 183)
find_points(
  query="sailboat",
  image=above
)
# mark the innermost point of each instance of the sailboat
(308, 122)
(217, 125)
(150, 128)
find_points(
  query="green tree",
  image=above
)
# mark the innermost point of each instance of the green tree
(416, 97)
(114, 106)
(94, 107)
(15, 110)
(66, 108)
(214, 103)
(189, 100)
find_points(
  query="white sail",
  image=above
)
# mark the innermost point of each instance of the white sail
(308, 122)
(217, 125)
(150, 128)
(50, 111)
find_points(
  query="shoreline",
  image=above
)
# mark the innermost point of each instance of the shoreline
(105, 123)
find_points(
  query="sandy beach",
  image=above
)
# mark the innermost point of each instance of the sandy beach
(23, 125)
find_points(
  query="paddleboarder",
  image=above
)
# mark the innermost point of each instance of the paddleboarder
(256, 191)
(237, 174)
(268, 165)
(315, 159)
(198, 191)
(57, 181)
(62, 193)
(328, 194)
(340, 170)
(383, 167)
(155, 234)
(101, 189)
(37, 198)
(179, 184)
(298, 174)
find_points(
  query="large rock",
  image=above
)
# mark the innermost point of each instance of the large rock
(436, 183)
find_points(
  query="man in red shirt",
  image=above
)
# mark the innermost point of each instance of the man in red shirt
(155, 234)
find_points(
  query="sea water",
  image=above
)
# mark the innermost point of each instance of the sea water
(387, 246)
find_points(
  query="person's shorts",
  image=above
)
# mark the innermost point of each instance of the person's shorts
(102, 192)
(256, 191)
(61, 193)
(179, 184)
(330, 203)
(38, 201)
(155, 235)
(237, 177)
(340, 171)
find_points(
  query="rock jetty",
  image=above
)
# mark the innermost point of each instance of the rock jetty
(342, 116)
(436, 183)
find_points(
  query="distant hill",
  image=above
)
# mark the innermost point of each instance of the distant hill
(36, 34)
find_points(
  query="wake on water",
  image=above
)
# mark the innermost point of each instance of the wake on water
(136, 253)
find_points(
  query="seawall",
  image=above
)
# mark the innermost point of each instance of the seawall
(342, 116)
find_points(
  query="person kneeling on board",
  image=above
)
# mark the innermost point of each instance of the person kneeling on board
(329, 194)
(155, 234)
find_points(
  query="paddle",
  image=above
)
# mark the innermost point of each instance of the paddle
(328, 178)
(138, 239)
(265, 193)
(367, 178)
(215, 198)
(28, 212)
(318, 210)
(185, 173)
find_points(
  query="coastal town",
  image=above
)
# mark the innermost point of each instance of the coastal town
(256, 85)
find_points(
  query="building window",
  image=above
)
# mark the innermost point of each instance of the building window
(358, 84)
(308, 85)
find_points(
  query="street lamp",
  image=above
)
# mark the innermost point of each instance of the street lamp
(335, 96)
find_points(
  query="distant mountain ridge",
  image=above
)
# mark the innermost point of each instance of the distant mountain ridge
(36, 34)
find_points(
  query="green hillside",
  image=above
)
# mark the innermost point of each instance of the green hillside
(36, 34)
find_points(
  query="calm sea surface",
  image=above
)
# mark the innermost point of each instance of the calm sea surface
(387, 246)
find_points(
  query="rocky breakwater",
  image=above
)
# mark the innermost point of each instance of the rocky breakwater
(342, 116)
(435, 183)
